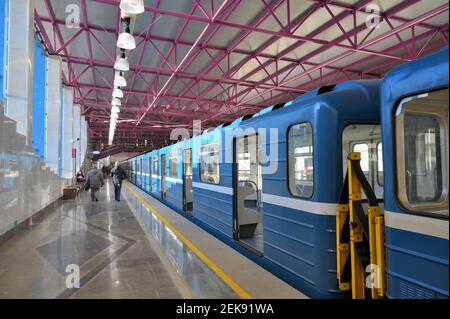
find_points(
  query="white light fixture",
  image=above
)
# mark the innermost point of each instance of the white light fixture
(119, 80)
(122, 63)
(115, 109)
(125, 15)
(117, 93)
(126, 41)
(132, 6)
(116, 102)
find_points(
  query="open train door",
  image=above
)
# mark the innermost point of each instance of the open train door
(163, 175)
(187, 181)
(248, 210)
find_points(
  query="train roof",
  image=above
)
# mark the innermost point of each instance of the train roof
(417, 76)
(369, 88)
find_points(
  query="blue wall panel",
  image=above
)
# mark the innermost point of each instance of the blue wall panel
(39, 77)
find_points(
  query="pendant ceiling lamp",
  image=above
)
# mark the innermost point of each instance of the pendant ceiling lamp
(115, 109)
(119, 80)
(132, 6)
(126, 41)
(117, 93)
(125, 15)
(122, 63)
(116, 102)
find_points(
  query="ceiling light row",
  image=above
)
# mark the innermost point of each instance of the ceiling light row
(126, 42)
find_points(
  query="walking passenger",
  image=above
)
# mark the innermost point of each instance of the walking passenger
(118, 175)
(104, 171)
(94, 181)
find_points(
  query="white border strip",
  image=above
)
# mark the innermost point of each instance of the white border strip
(417, 224)
(214, 188)
(288, 202)
(174, 180)
(299, 204)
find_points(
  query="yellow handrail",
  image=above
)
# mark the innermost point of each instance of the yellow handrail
(359, 236)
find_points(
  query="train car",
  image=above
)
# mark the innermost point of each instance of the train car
(177, 183)
(415, 111)
(268, 184)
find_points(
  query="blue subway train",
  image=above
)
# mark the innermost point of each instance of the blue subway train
(268, 184)
(415, 123)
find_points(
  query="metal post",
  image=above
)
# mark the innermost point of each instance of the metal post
(354, 192)
(360, 233)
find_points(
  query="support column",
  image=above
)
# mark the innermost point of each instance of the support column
(76, 137)
(19, 78)
(67, 129)
(83, 139)
(53, 113)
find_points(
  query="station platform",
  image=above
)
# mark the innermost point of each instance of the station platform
(136, 248)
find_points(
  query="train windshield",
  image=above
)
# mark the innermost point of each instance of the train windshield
(422, 152)
(365, 139)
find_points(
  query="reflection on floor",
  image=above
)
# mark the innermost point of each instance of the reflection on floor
(117, 259)
(201, 282)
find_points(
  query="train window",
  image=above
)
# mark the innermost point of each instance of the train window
(300, 160)
(155, 165)
(209, 163)
(380, 176)
(2, 173)
(173, 164)
(363, 148)
(365, 139)
(422, 152)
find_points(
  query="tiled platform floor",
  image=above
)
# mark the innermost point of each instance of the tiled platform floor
(117, 259)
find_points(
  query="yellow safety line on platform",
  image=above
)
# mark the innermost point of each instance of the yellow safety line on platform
(216, 269)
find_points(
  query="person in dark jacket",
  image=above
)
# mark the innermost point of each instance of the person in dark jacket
(94, 181)
(118, 175)
(105, 171)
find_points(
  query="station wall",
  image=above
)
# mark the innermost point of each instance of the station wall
(39, 124)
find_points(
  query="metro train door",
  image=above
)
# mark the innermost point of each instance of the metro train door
(156, 177)
(365, 139)
(141, 171)
(163, 176)
(248, 212)
(150, 171)
(187, 181)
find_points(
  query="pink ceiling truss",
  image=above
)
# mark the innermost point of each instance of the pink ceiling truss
(224, 60)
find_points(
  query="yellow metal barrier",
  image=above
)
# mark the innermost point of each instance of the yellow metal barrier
(342, 250)
(359, 236)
